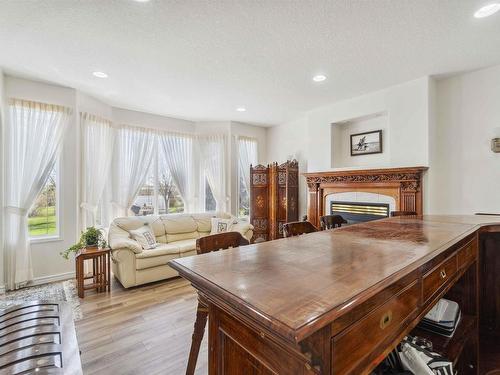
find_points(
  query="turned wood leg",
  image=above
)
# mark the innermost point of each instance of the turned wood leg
(80, 279)
(199, 330)
(109, 271)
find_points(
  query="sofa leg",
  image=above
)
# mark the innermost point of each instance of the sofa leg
(199, 330)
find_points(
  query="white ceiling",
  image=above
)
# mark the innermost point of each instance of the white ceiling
(201, 59)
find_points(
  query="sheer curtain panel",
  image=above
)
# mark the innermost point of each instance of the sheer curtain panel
(134, 149)
(213, 163)
(33, 140)
(178, 154)
(247, 154)
(98, 137)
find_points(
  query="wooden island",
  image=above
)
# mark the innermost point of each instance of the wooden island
(338, 301)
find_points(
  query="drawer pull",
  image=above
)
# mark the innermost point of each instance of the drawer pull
(443, 274)
(386, 319)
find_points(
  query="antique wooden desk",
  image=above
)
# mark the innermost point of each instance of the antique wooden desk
(337, 302)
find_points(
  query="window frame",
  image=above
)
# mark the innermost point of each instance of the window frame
(58, 235)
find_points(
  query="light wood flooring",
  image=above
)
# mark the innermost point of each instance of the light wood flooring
(142, 330)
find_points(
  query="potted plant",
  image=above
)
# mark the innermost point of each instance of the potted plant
(92, 237)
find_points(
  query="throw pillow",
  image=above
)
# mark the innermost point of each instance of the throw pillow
(221, 225)
(145, 236)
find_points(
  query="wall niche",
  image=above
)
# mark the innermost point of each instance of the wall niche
(341, 131)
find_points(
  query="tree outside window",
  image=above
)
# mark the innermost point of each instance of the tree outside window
(42, 218)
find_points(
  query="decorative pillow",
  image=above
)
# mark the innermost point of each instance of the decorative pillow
(145, 236)
(221, 225)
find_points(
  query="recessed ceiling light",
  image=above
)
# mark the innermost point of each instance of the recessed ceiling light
(319, 78)
(100, 74)
(487, 10)
(241, 109)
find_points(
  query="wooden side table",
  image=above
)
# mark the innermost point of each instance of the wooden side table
(101, 275)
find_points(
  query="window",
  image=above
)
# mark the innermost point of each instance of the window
(244, 198)
(144, 203)
(158, 195)
(43, 215)
(247, 154)
(210, 203)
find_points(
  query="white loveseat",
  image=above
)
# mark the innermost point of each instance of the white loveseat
(176, 235)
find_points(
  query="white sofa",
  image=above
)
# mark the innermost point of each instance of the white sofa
(176, 235)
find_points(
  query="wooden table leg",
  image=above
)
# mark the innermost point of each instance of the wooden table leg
(109, 271)
(80, 278)
(102, 278)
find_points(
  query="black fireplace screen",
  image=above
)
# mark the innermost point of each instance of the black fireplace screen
(357, 212)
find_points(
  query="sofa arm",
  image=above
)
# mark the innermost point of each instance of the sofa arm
(119, 239)
(245, 228)
(124, 266)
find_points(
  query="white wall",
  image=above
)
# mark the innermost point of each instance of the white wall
(147, 120)
(341, 142)
(289, 141)
(406, 106)
(310, 137)
(465, 174)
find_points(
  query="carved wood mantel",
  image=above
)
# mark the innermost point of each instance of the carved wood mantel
(403, 184)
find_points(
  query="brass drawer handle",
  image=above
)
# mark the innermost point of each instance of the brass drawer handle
(386, 319)
(442, 274)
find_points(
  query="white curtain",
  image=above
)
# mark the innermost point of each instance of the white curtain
(247, 154)
(98, 137)
(134, 150)
(213, 164)
(178, 154)
(33, 141)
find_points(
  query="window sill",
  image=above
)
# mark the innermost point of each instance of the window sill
(35, 240)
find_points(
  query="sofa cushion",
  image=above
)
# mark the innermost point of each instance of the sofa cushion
(145, 263)
(180, 227)
(162, 249)
(135, 222)
(185, 245)
(203, 221)
(156, 257)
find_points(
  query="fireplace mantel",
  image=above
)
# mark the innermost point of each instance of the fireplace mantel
(404, 184)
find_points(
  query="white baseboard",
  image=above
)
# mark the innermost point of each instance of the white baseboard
(53, 278)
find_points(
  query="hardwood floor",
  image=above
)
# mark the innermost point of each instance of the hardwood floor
(142, 330)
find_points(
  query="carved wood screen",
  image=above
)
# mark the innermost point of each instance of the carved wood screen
(274, 195)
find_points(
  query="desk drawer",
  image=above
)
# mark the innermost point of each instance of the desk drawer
(439, 276)
(360, 342)
(467, 254)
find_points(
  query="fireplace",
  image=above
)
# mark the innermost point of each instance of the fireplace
(357, 212)
(402, 185)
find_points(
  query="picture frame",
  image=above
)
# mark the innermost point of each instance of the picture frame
(366, 143)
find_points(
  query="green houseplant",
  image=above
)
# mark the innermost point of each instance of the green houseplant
(91, 237)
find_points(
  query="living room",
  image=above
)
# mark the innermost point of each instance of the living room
(149, 127)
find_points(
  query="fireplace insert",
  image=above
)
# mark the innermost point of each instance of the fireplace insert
(358, 212)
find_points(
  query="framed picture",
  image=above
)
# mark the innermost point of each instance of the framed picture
(366, 143)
